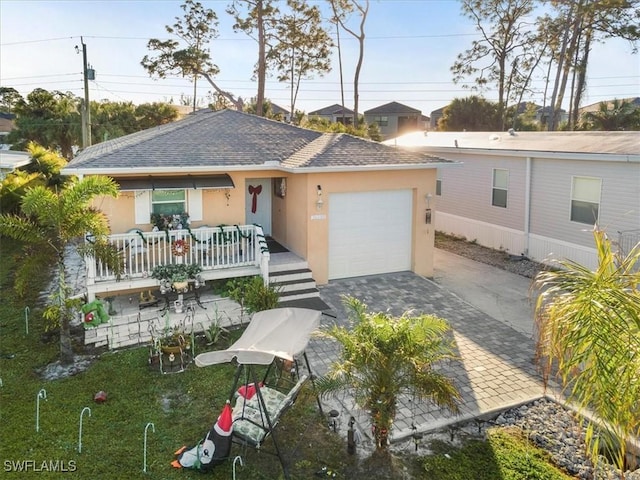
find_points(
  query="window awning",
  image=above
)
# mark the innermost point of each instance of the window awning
(151, 182)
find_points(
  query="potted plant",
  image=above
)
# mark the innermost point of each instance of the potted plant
(180, 280)
(176, 275)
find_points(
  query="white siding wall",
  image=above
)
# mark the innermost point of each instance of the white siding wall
(466, 190)
(465, 205)
(551, 199)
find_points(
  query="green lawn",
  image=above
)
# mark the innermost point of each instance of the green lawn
(181, 406)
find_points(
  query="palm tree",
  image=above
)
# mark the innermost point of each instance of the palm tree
(384, 357)
(588, 326)
(50, 221)
(617, 115)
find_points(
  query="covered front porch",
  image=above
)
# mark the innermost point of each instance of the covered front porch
(220, 252)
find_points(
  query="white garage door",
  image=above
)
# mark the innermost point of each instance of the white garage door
(369, 233)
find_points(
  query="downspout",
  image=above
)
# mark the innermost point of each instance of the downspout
(527, 206)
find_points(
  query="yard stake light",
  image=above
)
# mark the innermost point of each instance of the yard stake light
(41, 394)
(238, 457)
(153, 428)
(26, 320)
(85, 409)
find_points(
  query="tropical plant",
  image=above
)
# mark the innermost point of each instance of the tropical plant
(50, 221)
(252, 294)
(616, 115)
(384, 357)
(588, 325)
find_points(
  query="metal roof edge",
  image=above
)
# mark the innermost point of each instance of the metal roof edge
(610, 157)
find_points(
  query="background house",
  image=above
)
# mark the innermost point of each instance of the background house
(537, 193)
(6, 125)
(334, 113)
(347, 206)
(394, 119)
(10, 160)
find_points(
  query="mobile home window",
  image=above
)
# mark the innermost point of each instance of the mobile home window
(585, 199)
(168, 202)
(439, 185)
(500, 184)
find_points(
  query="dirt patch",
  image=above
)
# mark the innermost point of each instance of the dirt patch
(518, 264)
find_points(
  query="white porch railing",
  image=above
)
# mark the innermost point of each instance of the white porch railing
(211, 247)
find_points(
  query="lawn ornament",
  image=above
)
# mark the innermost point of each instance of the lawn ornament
(213, 449)
(100, 397)
(94, 314)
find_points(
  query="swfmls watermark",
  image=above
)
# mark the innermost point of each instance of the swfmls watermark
(60, 466)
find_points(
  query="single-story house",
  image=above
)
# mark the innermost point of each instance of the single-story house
(334, 113)
(536, 193)
(394, 119)
(346, 205)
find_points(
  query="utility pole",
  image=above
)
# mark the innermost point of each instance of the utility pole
(86, 110)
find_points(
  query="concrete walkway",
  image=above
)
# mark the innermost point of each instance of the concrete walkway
(492, 324)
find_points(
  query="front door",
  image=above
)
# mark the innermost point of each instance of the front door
(257, 194)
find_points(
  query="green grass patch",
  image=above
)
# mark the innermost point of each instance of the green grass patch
(504, 455)
(182, 407)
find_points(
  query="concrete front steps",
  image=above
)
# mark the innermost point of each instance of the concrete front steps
(295, 281)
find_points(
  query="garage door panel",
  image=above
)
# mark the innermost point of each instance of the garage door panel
(369, 233)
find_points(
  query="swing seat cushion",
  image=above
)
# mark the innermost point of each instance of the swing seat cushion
(249, 419)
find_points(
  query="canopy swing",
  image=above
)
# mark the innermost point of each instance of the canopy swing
(272, 336)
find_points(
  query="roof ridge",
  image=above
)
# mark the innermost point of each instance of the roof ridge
(312, 149)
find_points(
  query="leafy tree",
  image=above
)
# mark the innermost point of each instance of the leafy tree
(588, 325)
(111, 120)
(255, 17)
(474, 114)
(9, 97)
(267, 109)
(190, 57)
(502, 57)
(49, 223)
(342, 12)
(617, 115)
(384, 357)
(576, 25)
(50, 119)
(303, 47)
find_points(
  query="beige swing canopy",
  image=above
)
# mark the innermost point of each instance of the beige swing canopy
(280, 332)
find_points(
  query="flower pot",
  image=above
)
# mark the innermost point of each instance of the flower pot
(180, 286)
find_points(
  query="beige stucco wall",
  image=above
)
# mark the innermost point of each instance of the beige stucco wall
(295, 221)
(309, 237)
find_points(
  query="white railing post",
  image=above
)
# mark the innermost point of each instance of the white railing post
(262, 254)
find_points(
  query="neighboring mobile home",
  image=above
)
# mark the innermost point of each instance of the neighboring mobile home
(536, 193)
(346, 205)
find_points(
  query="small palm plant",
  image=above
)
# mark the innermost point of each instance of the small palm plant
(588, 326)
(385, 356)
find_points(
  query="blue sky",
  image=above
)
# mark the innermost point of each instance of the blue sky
(410, 47)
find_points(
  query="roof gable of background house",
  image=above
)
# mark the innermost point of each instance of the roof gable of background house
(204, 139)
(334, 109)
(392, 108)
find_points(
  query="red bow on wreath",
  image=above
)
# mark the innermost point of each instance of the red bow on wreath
(255, 191)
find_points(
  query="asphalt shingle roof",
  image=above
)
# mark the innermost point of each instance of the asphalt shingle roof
(218, 140)
(334, 109)
(392, 108)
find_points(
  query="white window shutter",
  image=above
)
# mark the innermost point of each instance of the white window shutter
(142, 207)
(195, 204)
